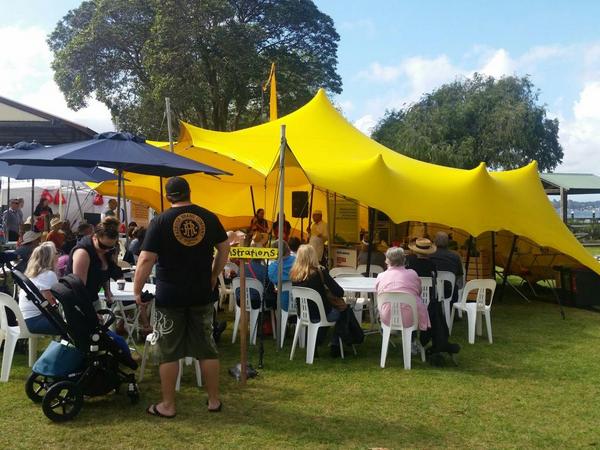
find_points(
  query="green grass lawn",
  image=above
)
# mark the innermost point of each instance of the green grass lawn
(536, 386)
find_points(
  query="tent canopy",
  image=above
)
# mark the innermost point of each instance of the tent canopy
(331, 154)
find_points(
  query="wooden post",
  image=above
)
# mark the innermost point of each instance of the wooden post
(243, 326)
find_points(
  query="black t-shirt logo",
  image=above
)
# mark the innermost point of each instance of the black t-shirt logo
(189, 229)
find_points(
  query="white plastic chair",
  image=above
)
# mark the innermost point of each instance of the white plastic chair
(426, 285)
(225, 293)
(188, 362)
(442, 278)
(306, 295)
(475, 310)
(251, 284)
(344, 272)
(396, 300)
(10, 335)
(151, 339)
(374, 269)
(291, 311)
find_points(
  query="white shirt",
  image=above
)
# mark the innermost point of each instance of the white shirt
(43, 282)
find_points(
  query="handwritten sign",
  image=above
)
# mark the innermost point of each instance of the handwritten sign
(252, 253)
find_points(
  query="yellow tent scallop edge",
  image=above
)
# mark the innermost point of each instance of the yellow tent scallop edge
(332, 155)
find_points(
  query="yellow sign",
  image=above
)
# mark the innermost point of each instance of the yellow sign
(252, 253)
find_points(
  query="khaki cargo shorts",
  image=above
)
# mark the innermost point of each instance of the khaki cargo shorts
(186, 331)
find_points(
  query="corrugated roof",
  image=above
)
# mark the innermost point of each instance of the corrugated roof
(574, 183)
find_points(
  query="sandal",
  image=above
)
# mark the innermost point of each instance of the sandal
(153, 411)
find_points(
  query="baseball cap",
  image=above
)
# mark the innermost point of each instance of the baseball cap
(177, 187)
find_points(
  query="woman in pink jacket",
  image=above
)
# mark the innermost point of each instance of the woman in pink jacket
(397, 278)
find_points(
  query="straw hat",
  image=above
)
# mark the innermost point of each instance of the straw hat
(423, 246)
(55, 222)
(31, 236)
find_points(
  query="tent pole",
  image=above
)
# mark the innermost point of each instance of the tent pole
(372, 213)
(507, 268)
(494, 254)
(169, 127)
(7, 191)
(253, 204)
(60, 203)
(282, 149)
(78, 202)
(329, 231)
(469, 244)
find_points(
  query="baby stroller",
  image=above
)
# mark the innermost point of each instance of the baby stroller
(85, 362)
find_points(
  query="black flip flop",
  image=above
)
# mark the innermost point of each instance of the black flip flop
(217, 409)
(153, 411)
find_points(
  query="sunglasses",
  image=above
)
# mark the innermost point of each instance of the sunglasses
(104, 246)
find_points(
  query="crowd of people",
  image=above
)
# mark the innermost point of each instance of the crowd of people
(190, 249)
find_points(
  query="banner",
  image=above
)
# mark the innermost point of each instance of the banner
(253, 253)
(345, 220)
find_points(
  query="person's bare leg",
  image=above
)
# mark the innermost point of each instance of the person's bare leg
(168, 379)
(210, 375)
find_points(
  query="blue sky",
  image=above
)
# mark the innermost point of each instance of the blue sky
(390, 53)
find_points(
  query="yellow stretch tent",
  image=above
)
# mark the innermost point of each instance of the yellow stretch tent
(333, 155)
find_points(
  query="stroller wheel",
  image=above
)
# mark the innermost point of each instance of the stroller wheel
(36, 386)
(63, 401)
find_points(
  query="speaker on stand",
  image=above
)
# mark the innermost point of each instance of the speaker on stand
(300, 208)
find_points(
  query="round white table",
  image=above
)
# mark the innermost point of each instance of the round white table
(364, 285)
(126, 295)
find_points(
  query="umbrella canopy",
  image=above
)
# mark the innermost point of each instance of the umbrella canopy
(122, 151)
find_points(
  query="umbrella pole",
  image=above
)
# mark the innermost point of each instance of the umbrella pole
(125, 215)
(78, 202)
(162, 196)
(7, 191)
(32, 197)
(120, 177)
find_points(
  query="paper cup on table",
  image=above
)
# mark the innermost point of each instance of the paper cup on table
(121, 285)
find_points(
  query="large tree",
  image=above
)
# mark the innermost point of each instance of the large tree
(475, 120)
(209, 56)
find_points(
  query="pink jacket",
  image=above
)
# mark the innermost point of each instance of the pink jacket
(401, 279)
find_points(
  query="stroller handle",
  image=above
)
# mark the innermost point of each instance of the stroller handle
(110, 314)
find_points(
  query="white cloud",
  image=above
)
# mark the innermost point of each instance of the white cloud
(347, 106)
(26, 77)
(499, 64)
(366, 124)
(364, 26)
(580, 137)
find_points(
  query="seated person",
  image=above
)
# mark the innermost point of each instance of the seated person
(56, 234)
(288, 261)
(30, 241)
(294, 243)
(448, 261)
(306, 272)
(397, 278)
(40, 270)
(377, 254)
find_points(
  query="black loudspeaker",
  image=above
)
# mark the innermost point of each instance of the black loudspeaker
(300, 204)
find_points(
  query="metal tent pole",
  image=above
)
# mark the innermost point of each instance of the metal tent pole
(282, 149)
(77, 200)
(507, 268)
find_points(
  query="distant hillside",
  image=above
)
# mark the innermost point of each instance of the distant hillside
(578, 205)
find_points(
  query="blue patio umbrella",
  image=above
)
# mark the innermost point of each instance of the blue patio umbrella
(121, 151)
(21, 172)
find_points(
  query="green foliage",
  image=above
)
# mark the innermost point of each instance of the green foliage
(476, 120)
(209, 56)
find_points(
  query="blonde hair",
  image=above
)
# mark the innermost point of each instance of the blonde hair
(306, 263)
(42, 259)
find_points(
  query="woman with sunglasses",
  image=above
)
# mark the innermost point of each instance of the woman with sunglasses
(93, 259)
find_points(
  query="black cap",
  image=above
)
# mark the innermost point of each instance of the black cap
(177, 187)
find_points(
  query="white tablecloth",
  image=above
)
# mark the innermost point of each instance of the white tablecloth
(126, 294)
(356, 284)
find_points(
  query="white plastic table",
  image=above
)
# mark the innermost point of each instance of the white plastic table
(126, 295)
(357, 284)
(361, 285)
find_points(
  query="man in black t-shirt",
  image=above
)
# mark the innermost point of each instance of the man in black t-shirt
(181, 242)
